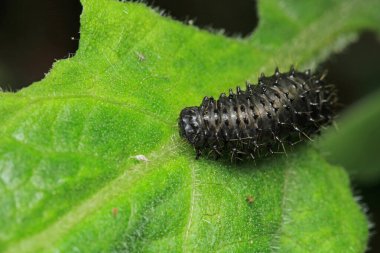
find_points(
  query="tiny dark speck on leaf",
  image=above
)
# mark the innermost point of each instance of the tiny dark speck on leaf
(115, 211)
(250, 199)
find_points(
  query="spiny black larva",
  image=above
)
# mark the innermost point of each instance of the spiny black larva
(280, 111)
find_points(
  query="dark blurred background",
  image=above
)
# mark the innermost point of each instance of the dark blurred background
(34, 34)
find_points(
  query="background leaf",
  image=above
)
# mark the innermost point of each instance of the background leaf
(69, 182)
(358, 138)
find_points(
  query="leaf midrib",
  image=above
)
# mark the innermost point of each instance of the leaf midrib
(191, 209)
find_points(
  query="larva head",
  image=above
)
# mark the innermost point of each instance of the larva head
(188, 123)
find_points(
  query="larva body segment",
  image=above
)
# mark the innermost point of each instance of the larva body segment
(279, 111)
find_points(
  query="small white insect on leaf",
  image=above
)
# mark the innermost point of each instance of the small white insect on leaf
(141, 158)
(140, 56)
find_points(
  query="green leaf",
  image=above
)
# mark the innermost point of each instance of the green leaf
(69, 181)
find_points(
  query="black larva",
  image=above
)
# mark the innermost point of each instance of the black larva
(279, 111)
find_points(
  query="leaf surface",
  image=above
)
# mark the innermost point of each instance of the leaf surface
(69, 182)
